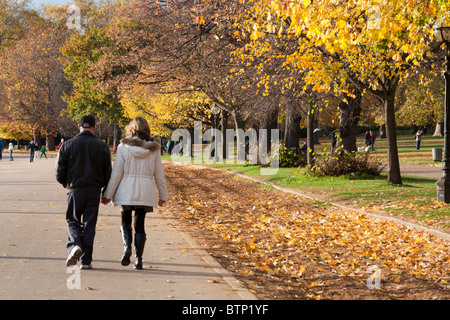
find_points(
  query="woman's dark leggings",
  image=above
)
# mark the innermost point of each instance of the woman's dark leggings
(139, 219)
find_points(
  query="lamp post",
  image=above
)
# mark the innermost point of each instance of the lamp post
(442, 33)
(215, 111)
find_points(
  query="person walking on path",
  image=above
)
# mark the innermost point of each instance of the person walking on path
(372, 139)
(32, 147)
(83, 166)
(2, 146)
(36, 152)
(137, 184)
(333, 142)
(170, 146)
(43, 151)
(11, 148)
(367, 139)
(418, 138)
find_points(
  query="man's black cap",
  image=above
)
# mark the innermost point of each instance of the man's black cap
(87, 122)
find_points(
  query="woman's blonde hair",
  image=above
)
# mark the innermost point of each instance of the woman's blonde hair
(138, 127)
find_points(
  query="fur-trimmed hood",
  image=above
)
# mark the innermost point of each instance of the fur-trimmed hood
(140, 148)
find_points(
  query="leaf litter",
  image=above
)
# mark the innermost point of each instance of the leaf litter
(283, 246)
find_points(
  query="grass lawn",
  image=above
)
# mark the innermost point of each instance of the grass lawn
(406, 149)
(414, 200)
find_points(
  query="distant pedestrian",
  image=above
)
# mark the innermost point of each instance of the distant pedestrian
(137, 184)
(179, 147)
(32, 147)
(83, 166)
(418, 137)
(372, 139)
(43, 151)
(367, 139)
(11, 148)
(304, 146)
(36, 152)
(2, 146)
(163, 145)
(333, 142)
(170, 145)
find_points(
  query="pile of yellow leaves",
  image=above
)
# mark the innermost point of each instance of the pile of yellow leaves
(302, 244)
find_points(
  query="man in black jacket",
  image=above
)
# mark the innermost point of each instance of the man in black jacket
(84, 168)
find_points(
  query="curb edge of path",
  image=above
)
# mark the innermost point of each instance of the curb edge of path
(438, 233)
(227, 276)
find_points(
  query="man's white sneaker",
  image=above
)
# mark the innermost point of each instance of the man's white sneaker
(74, 255)
(86, 266)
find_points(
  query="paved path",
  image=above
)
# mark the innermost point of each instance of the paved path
(426, 171)
(33, 238)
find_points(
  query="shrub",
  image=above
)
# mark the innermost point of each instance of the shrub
(353, 164)
(291, 157)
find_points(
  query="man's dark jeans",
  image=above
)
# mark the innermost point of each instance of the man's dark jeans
(81, 216)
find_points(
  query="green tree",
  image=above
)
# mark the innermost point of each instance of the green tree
(423, 100)
(83, 51)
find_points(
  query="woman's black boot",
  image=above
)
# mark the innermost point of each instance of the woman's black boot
(139, 244)
(126, 231)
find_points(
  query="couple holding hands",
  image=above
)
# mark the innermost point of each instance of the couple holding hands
(136, 182)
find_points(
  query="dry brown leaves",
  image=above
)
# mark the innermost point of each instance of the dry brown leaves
(287, 247)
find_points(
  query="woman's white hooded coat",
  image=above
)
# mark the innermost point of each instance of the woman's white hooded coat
(137, 176)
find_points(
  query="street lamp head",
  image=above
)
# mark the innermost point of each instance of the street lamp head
(215, 109)
(442, 30)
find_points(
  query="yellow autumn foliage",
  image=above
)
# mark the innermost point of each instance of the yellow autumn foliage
(164, 111)
(366, 40)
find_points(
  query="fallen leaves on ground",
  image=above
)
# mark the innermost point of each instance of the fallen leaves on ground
(288, 247)
(419, 208)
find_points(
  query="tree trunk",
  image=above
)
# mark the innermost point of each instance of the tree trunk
(394, 176)
(223, 128)
(439, 131)
(317, 133)
(349, 117)
(382, 131)
(310, 136)
(270, 122)
(292, 127)
(50, 142)
(35, 137)
(238, 121)
(37, 140)
(240, 141)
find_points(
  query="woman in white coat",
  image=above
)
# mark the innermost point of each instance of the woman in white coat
(137, 184)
